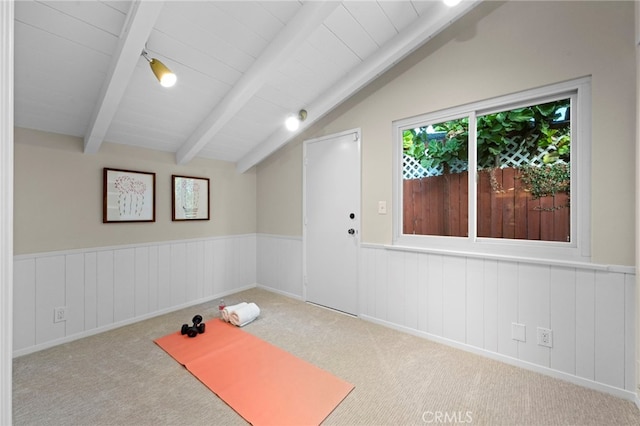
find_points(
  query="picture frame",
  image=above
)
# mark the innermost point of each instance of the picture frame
(190, 198)
(128, 196)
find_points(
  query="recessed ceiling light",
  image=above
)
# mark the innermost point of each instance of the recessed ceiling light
(451, 3)
(293, 121)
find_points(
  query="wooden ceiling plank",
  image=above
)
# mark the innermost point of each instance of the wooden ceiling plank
(283, 10)
(383, 59)
(219, 24)
(138, 26)
(310, 16)
(350, 32)
(373, 20)
(196, 40)
(400, 13)
(253, 18)
(65, 26)
(192, 52)
(332, 50)
(93, 13)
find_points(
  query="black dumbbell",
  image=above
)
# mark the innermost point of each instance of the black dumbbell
(195, 329)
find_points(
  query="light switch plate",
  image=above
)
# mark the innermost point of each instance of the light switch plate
(518, 332)
(382, 207)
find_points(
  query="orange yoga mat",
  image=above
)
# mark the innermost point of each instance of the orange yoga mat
(263, 383)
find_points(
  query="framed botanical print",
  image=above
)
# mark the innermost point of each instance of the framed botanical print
(128, 196)
(190, 198)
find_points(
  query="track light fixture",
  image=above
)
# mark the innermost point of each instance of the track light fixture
(451, 3)
(293, 122)
(162, 73)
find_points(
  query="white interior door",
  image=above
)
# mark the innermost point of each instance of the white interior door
(332, 220)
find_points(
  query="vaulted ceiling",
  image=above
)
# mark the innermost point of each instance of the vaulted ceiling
(242, 68)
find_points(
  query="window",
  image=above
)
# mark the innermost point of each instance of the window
(508, 175)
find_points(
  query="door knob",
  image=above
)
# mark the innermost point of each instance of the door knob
(352, 215)
(351, 231)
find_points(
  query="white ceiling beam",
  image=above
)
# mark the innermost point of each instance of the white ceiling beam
(425, 28)
(311, 15)
(140, 21)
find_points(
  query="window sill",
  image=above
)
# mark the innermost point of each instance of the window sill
(583, 263)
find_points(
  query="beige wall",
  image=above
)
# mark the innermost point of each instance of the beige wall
(499, 48)
(279, 192)
(58, 195)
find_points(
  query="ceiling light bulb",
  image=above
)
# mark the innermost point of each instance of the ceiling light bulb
(163, 74)
(292, 123)
(451, 3)
(168, 80)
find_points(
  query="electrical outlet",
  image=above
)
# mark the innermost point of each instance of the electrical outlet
(60, 314)
(545, 337)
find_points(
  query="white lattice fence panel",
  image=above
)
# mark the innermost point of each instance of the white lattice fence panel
(513, 156)
(412, 169)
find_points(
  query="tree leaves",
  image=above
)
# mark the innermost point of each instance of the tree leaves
(530, 127)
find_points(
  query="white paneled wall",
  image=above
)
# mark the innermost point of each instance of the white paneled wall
(471, 302)
(108, 287)
(280, 264)
(468, 302)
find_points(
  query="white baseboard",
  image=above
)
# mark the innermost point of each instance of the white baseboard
(98, 330)
(621, 393)
(280, 292)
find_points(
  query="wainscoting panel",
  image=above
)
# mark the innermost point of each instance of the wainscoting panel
(585, 324)
(104, 290)
(90, 291)
(49, 270)
(468, 302)
(435, 295)
(475, 301)
(471, 302)
(490, 314)
(280, 264)
(112, 286)
(454, 298)
(609, 329)
(24, 308)
(562, 314)
(533, 284)
(74, 292)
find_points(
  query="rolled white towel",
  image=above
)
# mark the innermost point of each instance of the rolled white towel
(226, 312)
(244, 315)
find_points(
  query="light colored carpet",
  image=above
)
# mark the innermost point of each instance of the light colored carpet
(121, 377)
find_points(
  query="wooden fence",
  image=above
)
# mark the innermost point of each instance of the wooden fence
(438, 205)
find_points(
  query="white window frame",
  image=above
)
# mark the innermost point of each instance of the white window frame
(579, 248)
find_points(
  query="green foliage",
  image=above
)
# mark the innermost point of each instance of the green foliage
(495, 130)
(546, 180)
(447, 145)
(413, 143)
(558, 140)
(453, 147)
(442, 153)
(530, 127)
